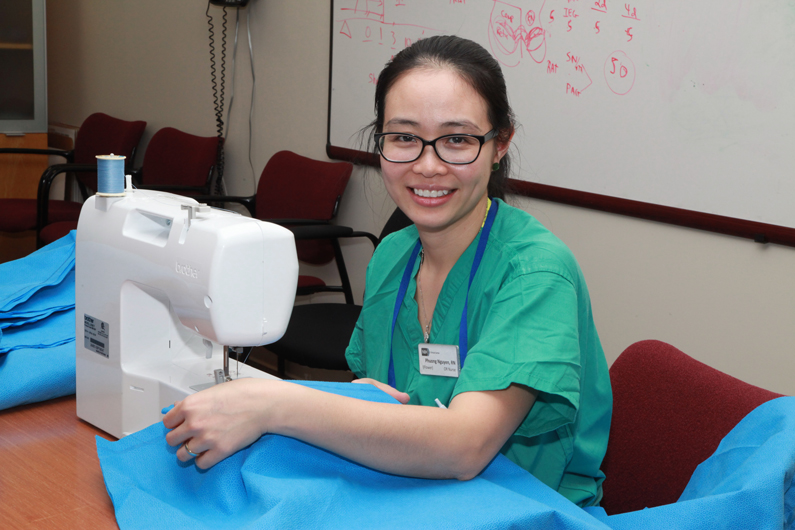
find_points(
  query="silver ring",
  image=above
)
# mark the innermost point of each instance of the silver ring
(191, 453)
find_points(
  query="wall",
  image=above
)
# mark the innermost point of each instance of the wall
(727, 302)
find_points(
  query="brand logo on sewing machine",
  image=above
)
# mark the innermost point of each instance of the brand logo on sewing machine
(187, 270)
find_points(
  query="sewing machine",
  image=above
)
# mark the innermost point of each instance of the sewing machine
(163, 286)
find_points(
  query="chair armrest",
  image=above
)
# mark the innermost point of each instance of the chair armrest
(249, 202)
(328, 231)
(333, 233)
(324, 231)
(170, 187)
(315, 229)
(45, 183)
(68, 155)
(372, 237)
(297, 222)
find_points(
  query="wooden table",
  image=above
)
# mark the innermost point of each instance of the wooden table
(49, 471)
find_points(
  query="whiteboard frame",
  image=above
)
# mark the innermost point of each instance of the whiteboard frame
(719, 224)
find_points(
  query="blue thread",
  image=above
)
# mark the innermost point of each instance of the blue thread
(110, 174)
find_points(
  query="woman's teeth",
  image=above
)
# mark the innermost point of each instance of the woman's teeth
(431, 193)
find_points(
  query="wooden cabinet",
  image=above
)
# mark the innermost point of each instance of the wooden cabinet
(20, 174)
(19, 178)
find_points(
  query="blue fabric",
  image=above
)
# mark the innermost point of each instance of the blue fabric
(37, 325)
(48, 266)
(747, 483)
(279, 482)
(36, 374)
(43, 303)
(57, 329)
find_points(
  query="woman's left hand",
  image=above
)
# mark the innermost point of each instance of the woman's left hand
(219, 421)
(394, 392)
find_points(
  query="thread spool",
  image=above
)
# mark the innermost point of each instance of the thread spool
(110, 175)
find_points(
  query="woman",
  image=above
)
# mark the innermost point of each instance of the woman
(528, 377)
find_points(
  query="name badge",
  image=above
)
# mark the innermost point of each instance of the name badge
(439, 359)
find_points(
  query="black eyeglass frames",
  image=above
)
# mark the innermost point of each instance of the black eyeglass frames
(451, 148)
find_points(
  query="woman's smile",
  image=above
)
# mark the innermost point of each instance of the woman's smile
(430, 193)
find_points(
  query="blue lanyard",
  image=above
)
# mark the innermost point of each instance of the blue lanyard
(404, 285)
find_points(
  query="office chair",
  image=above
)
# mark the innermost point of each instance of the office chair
(318, 334)
(174, 161)
(296, 191)
(99, 134)
(670, 412)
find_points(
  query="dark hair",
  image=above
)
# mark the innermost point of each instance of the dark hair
(476, 66)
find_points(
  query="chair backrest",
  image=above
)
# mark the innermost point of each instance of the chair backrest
(177, 158)
(101, 134)
(670, 412)
(296, 187)
(397, 221)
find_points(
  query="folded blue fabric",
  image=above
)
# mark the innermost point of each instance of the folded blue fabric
(57, 329)
(36, 374)
(42, 303)
(37, 325)
(20, 279)
(280, 482)
(746, 483)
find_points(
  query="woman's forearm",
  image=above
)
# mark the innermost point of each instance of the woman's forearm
(417, 441)
(429, 442)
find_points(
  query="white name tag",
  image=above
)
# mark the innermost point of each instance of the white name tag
(439, 359)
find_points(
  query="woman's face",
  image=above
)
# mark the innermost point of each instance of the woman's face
(432, 102)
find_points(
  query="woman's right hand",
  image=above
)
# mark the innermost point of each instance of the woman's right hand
(219, 421)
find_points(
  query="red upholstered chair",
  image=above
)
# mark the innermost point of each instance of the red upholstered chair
(294, 190)
(99, 134)
(178, 162)
(670, 412)
(174, 161)
(296, 187)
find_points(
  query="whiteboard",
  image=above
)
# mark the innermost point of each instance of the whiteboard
(687, 105)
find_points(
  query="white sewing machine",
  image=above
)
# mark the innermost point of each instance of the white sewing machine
(163, 285)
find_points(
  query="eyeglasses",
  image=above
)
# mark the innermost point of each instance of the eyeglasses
(451, 148)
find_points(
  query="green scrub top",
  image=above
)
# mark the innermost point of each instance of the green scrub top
(529, 322)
